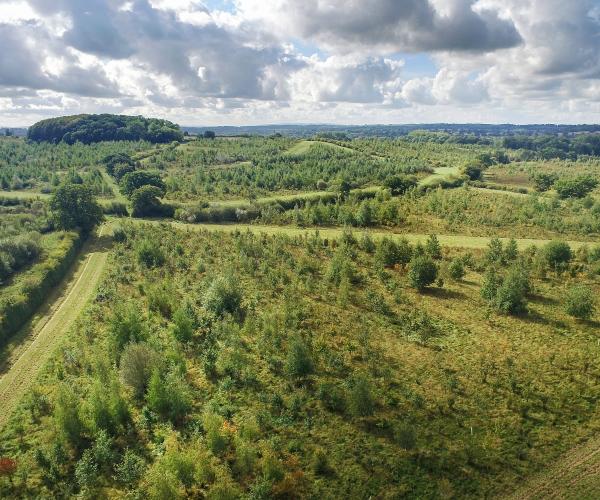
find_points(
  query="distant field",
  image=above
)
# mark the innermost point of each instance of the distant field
(456, 241)
(303, 146)
(440, 173)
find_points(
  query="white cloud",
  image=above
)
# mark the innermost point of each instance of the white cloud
(497, 60)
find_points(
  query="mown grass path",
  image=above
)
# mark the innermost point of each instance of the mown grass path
(576, 476)
(449, 240)
(40, 337)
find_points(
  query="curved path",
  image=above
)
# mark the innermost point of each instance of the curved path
(41, 336)
(576, 475)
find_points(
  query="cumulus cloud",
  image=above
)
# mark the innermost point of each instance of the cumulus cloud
(389, 25)
(302, 60)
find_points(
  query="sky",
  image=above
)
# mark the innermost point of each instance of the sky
(249, 62)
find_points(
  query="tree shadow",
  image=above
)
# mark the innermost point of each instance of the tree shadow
(443, 293)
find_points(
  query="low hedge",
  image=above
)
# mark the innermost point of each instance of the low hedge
(20, 300)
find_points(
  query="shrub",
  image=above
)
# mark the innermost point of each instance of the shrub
(145, 202)
(116, 208)
(299, 362)
(183, 325)
(223, 296)
(360, 398)
(576, 187)
(149, 254)
(473, 170)
(422, 272)
(511, 294)
(136, 366)
(580, 302)
(399, 184)
(332, 396)
(168, 396)
(558, 254)
(433, 248)
(543, 181)
(119, 234)
(456, 269)
(127, 325)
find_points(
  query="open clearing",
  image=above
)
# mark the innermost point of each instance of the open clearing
(40, 337)
(303, 146)
(440, 173)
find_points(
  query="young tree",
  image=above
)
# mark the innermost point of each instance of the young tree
(183, 325)
(495, 252)
(74, 206)
(399, 184)
(433, 247)
(558, 254)
(299, 362)
(543, 181)
(511, 251)
(360, 397)
(580, 302)
(136, 366)
(511, 294)
(422, 272)
(456, 269)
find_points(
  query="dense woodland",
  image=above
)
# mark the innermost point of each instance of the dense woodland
(321, 318)
(96, 128)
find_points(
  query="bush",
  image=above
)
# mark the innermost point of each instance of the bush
(183, 325)
(222, 296)
(145, 202)
(360, 398)
(168, 396)
(149, 254)
(580, 302)
(511, 294)
(127, 325)
(576, 187)
(332, 396)
(422, 272)
(456, 269)
(116, 208)
(557, 254)
(138, 362)
(299, 362)
(399, 184)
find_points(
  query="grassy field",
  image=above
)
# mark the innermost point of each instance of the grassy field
(303, 147)
(452, 240)
(439, 174)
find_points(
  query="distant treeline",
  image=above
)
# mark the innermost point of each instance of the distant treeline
(353, 131)
(556, 147)
(96, 128)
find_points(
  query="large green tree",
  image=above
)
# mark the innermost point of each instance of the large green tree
(135, 180)
(74, 206)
